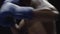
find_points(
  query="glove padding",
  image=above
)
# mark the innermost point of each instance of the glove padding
(14, 12)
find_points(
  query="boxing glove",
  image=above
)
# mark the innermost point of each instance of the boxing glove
(10, 12)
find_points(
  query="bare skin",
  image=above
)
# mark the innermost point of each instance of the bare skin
(41, 24)
(43, 20)
(46, 17)
(15, 29)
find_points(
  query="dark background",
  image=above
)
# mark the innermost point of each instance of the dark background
(56, 3)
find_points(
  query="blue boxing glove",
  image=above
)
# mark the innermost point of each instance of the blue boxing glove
(12, 1)
(16, 10)
(24, 12)
(13, 12)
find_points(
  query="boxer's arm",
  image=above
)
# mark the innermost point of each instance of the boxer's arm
(43, 9)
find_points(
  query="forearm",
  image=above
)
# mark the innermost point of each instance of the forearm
(45, 12)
